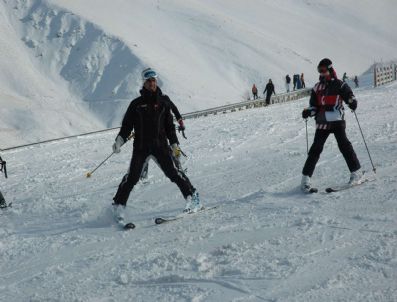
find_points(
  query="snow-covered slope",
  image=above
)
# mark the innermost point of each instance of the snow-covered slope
(35, 103)
(55, 53)
(267, 241)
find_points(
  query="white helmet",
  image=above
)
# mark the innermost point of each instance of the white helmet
(148, 73)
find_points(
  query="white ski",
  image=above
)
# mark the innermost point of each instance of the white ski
(348, 186)
(161, 220)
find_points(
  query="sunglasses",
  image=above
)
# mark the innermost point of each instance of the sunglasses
(323, 70)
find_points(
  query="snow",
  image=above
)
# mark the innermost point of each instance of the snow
(73, 66)
(266, 242)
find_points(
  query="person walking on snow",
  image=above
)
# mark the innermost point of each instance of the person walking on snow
(303, 81)
(326, 105)
(287, 82)
(344, 78)
(269, 90)
(356, 81)
(255, 92)
(294, 81)
(3, 203)
(150, 117)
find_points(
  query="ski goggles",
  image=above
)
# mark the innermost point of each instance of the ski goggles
(323, 70)
(148, 74)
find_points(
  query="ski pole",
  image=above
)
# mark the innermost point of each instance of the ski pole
(90, 173)
(365, 143)
(307, 139)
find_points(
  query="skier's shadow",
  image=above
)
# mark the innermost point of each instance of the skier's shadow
(251, 197)
(295, 192)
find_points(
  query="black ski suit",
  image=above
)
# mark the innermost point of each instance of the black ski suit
(269, 89)
(150, 117)
(178, 117)
(327, 106)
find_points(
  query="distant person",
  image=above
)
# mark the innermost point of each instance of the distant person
(344, 78)
(298, 81)
(255, 92)
(356, 81)
(303, 81)
(287, 82)
(269, 90)
(3, 203)
(3, 168)
(294, 81)
(326, 105)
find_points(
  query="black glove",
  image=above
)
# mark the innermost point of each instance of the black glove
(306, 113)
(352, 103)
(181, 126)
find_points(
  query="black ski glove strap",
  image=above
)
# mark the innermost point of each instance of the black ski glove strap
(306, 113)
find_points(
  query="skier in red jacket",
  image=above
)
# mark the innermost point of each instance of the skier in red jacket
(326, 105)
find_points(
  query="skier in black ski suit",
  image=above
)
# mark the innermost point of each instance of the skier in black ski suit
(150, 117)
(181, 127)
(326, 105)
(269, 89)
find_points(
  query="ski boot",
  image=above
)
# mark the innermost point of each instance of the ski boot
(119, 212)
(355, 177)
(193, 203)
(306, 185)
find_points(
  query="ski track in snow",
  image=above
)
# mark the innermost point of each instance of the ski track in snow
(266, 242)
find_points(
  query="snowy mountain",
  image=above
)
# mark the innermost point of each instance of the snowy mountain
(73, 66)
(35, 102)
(266, 242)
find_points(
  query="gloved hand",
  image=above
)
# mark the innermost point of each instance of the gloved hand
(352, 103)
(181, 125)
(176, 151)
(117, 144)
(306, 113)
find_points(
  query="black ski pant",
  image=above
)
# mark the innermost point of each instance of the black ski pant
(177, 163)
(255, 96)
(268, 97)
(344, 145)
(163, 157)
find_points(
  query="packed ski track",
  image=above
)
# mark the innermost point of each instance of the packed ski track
(266, 241)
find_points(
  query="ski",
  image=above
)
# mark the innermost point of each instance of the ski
(5, 206)
(129, 226)
(124, 225)
(311, 191)
(161, 220)
(347, 186)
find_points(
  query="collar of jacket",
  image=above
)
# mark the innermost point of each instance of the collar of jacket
(149, 95)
